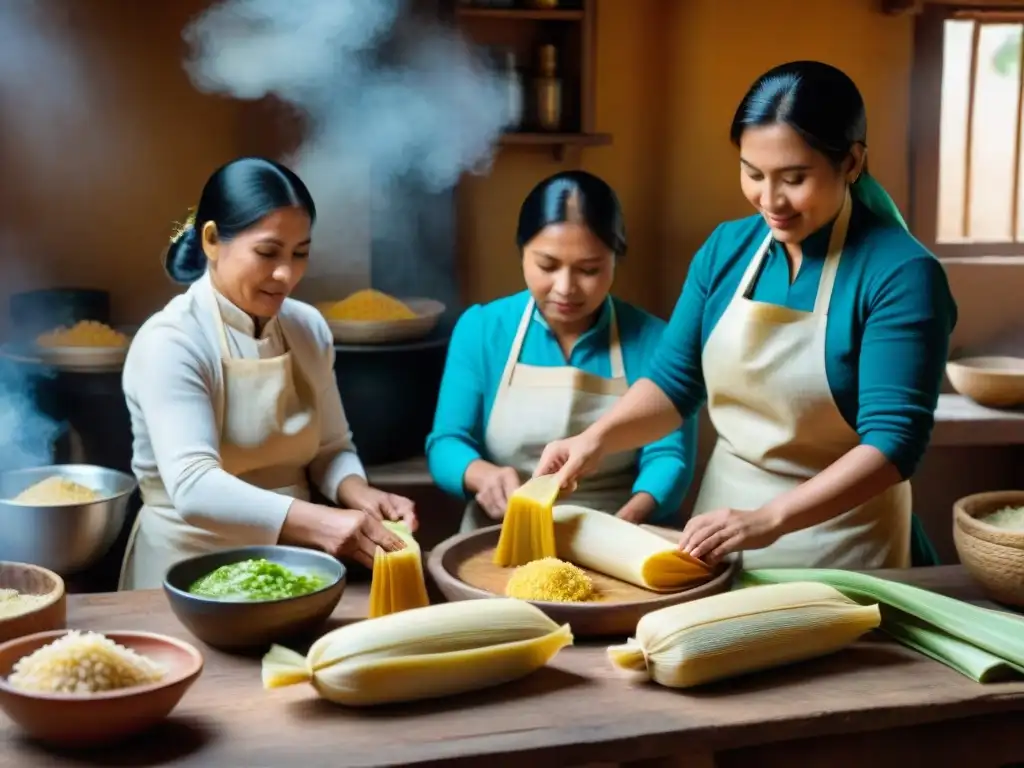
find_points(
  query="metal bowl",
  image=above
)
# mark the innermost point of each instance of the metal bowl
(243, 626)
(66, 538)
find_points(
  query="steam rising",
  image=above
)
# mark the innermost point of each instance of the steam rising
(41, 94)
(380, 119)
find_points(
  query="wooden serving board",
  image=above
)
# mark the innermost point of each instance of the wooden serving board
(463, 569)
(480, 571)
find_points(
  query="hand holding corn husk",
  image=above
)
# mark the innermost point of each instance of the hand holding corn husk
(743, 631)
(423, 653)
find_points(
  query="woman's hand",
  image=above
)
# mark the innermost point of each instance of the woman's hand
(344, 533)
(498, 484)
(641, 506)
(355, 493)
(713, 535)
(571, 458)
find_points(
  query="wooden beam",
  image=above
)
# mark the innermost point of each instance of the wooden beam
(901, 7)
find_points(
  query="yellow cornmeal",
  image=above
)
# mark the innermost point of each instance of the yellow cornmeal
(551, 580)
(14, 603)
(368, 306)
(86, 333)
(56, 490)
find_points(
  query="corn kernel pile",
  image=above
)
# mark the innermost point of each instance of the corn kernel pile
(368, 306)
(86, 333)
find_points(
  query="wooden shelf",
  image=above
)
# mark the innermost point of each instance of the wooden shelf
(558, 142)
(523, 14)
(515, 37)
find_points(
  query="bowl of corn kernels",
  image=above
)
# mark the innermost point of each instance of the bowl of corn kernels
(87, 345)
(373, 317)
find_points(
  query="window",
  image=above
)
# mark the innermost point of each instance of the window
(967, 120)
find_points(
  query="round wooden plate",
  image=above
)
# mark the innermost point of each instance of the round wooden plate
(462, 568)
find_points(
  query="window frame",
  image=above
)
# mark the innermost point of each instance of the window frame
(925, 121)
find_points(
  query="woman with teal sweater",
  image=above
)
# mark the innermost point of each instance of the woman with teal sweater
(816, 331)
(547, 362)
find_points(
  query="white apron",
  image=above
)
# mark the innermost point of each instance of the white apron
(536, 405)
(269, 433)
(778, 426)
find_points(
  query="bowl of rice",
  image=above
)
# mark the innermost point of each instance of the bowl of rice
(63, 517)
(988, 531)
(72, 688)
(32, 599)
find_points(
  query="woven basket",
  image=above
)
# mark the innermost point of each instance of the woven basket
(994, 557)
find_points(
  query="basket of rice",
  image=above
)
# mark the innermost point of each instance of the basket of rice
(78, 688)
(372, 317)
(988, 531)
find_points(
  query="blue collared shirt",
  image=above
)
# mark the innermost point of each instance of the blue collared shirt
(480, 345)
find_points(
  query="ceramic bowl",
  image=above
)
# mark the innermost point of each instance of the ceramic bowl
(50, 613)
(428, 313)
(88, 720)
(252, 625)
(996, 382)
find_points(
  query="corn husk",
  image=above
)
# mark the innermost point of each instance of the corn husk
(735, 633)
(423, 653)
(980, 643)
(398, 583)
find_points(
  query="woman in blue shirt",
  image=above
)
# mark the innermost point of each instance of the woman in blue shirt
(547, 362)
(816, 331)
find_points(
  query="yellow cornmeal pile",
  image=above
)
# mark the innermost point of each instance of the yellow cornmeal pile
(82, 663)
(56, 490)
(368, 306)
(86, 333)
(14, 603)
(551, 580)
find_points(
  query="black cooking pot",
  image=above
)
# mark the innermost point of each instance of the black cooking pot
(35, 312)
(389, 392)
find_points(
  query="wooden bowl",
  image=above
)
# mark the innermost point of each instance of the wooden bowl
(33, 580)
(245, 626)
(462, 568)
(996, 382)
(88, 720)
(994, 557)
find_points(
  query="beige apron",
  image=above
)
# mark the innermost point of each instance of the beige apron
(535, 405)
(269, 433)
(778, 426)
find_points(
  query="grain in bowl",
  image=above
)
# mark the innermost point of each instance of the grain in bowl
(83, 663)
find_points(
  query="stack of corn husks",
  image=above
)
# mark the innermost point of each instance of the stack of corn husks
(983, 644)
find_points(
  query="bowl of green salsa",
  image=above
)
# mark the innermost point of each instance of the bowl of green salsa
(246, 598)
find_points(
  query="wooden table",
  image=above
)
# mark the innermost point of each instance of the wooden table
(875, 704)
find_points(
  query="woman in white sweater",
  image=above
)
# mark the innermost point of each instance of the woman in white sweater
(232, 395)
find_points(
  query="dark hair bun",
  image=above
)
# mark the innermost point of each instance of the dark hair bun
(236, 196)
(185, 261)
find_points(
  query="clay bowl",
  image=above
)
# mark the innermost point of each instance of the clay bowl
(994, 557)
(33, 580)
(98, 719)
(462, 569)
(996, 382)
(251, 626)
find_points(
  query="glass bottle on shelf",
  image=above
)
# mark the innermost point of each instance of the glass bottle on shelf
(548, 90)
(506, 64)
